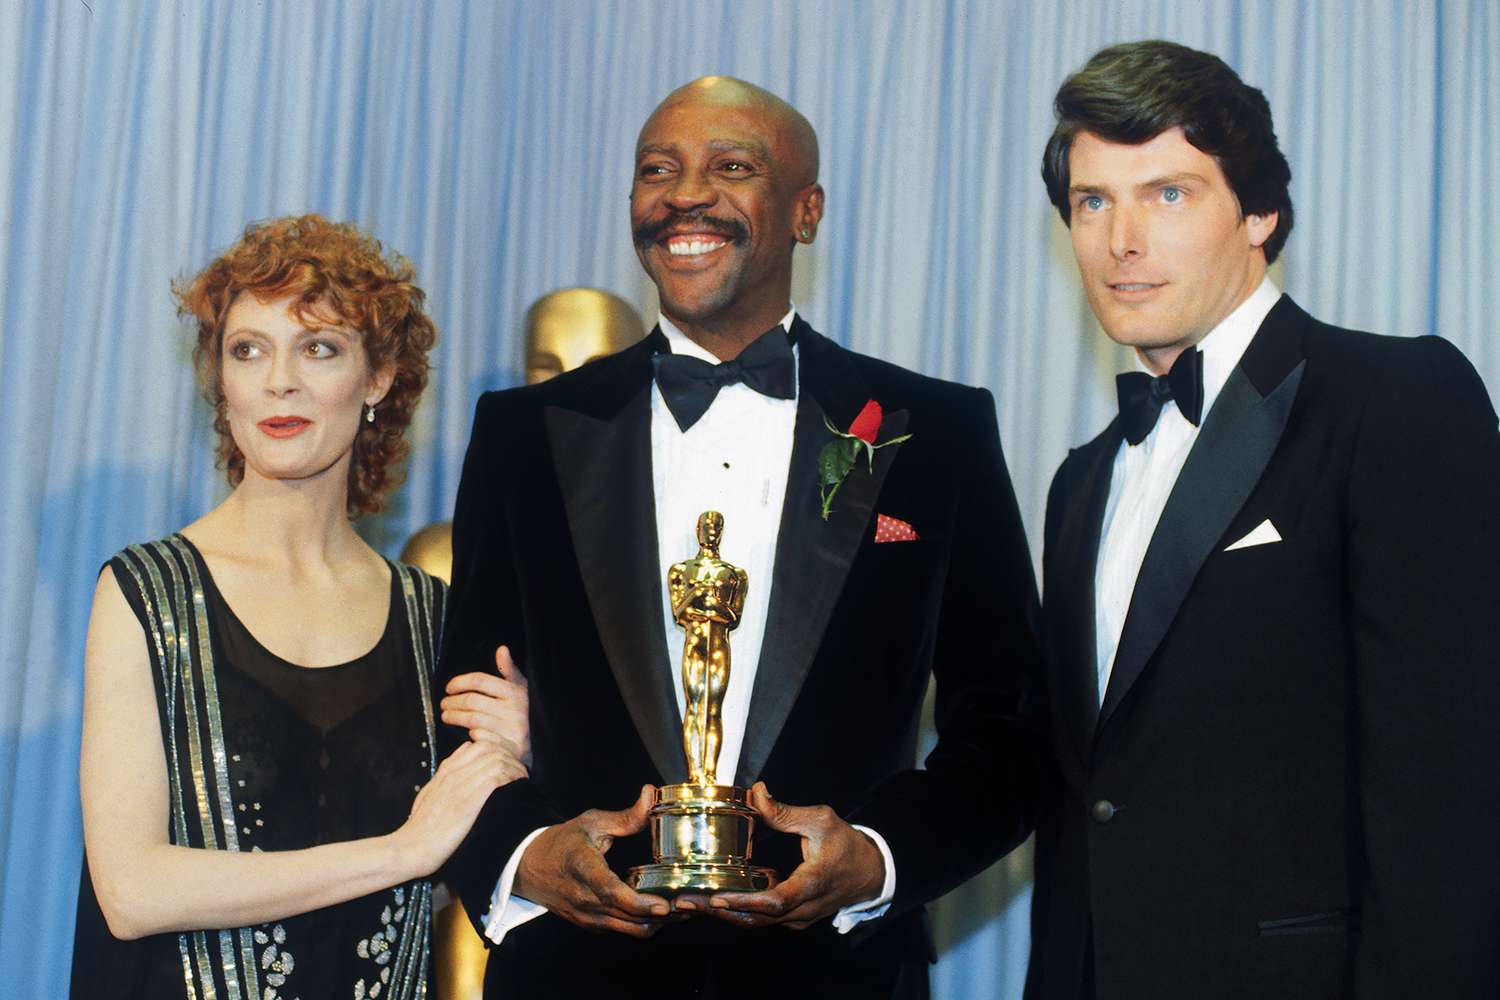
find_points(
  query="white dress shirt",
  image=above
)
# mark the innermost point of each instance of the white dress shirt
(715, 465)
(1144, 474)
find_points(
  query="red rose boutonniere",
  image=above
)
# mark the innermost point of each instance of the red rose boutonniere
(839, 455)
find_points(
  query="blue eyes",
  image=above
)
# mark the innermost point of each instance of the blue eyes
(1169, 195)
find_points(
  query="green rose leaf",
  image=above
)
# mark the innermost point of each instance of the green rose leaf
(835, 461)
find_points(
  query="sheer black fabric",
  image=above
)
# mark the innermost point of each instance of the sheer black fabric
(309, 756)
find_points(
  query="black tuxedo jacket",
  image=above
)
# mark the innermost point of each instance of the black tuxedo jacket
(1290, 788)
(555, 554)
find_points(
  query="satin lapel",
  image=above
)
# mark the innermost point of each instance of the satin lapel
(604, 469)
(813, 556)
(1237, 440)
(1076, 671)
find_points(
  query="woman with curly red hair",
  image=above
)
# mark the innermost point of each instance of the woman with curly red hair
(261, 801)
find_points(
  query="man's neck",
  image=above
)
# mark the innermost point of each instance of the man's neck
(725, 340)
(1159, 360)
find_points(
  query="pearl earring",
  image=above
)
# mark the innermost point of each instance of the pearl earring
(370, 414)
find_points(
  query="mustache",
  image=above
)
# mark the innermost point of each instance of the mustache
(650, 232)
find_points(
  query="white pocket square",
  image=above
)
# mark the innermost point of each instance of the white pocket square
(1264, 534)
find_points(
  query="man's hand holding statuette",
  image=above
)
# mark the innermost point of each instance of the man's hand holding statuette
(564, 870)
(840, 867)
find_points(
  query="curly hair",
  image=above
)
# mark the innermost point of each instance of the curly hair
(1134, 91)
(339, 276)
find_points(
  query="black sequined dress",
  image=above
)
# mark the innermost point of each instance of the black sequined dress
(264, 755)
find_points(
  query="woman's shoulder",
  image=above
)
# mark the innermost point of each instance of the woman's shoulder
(419, 576)
(423, 598)
(417, 585)
(151, 582)
(144, 566)
(174, 542)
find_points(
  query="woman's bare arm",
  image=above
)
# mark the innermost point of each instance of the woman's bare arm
(145, 885)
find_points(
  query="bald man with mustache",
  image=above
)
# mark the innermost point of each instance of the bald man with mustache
(578, 494)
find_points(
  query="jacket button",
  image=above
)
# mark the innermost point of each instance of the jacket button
(1102, 811)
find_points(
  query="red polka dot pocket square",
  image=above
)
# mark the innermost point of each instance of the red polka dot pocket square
(893, 529)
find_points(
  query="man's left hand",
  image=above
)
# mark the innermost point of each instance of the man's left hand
(840, 866)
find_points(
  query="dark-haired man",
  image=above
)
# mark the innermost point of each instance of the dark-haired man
(577, 495)
(1270, 596)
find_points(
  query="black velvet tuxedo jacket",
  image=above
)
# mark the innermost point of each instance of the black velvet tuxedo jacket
(1290, 788)
(555, 554)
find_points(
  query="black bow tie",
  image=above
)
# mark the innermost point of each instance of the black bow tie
(689, 384)
(1142, 396)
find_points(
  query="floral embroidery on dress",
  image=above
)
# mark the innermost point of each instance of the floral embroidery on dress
(275, 961)
(377, 947)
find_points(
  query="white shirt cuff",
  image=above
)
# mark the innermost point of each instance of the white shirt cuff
(855, 914)
(506, 911)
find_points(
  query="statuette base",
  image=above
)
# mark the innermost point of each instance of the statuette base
(700, 837)
(676, 880)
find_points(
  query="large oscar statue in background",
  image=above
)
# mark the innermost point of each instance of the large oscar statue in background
(564, 330)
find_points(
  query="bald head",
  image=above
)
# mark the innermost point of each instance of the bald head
(726, 186)
(798, 145)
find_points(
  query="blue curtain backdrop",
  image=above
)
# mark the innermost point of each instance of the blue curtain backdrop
(491, 143)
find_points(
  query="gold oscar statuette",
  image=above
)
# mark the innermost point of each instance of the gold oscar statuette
(700, 830)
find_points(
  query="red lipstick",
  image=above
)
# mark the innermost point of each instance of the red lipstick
(284, 427)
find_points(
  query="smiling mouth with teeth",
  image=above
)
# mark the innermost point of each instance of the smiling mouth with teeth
(693, 246)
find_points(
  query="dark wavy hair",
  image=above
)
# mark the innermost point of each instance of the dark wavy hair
(1135, 91)
(339, 276)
